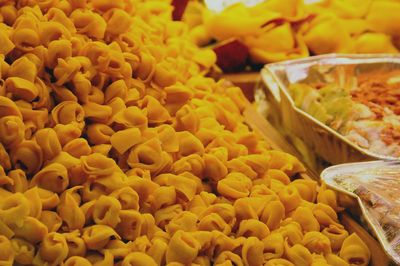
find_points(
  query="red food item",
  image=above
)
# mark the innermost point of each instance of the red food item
(179, 8)
(232, 55)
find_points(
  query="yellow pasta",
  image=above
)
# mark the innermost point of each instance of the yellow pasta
(51, 220)
(306, 219)
(53, 250)
(76, 260)
(106, 211)
(336, 235)
(253, 227)
(123, 140)
(182, 248)
(97, 236)
(11, 130)
(24, 251)
(6, 251)
(48, 141)
(292, 232)
(76, 245)
(69, 211)
(53, 177)
(235, 185)
(273, 246)
(116, 149)
(355, 251)
(317, 243)
(298, 254)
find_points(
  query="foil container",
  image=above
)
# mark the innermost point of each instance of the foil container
(376, 188)
(319, 138)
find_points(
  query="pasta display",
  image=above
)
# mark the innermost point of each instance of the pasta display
(115, 149)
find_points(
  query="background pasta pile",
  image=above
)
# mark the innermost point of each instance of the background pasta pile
(277, 30)
(116, 150)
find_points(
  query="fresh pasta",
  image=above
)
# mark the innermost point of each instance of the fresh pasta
(115, 149)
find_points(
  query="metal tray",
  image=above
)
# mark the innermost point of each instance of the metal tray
(326, 142)
(346, 179)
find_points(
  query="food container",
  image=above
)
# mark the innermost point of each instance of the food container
(330, 145)
(375, 186)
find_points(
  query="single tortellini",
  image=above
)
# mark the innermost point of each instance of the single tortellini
(149, 155)
(317, 243)
(336, 235)
(76, 245)
(130, 225)
(8, 107)
(14, 209)
(77, 261)
(69, 211)
(189, 144)
(182, 248)
(290, 198)
(252, 251)
(234, 185)
(21, 89)
(154, 110)
(253, 227)
(273, 213)
(279, 262)
(53, 177)
(51, 220)
(106, 211)
(53, 249)
(285, 162)
(355, 251)
(123, 140)
(138, 258)
(192, 163)
(298, 254)
(99, 133)
(162, 197)
(304, 216)
(228, 258)
(292, 232)
(35, 202)
(306, 188)
(96, 237)
(48, 141)
(89, 23)
(127, 197)
(69, 112)
(185, 187)
(186, 221)
(12, 131)
(6, 251)
(335, 260)
(273, 246)
(27, 156)
(97, 164)
(131, 117)
(23, 250)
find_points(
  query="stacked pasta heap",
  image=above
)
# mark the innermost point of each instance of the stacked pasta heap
(277, 30)
(116, 150)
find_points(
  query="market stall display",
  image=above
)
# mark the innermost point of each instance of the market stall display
(278, 30)
(116, 150)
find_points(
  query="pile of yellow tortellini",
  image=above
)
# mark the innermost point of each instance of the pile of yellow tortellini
(277, 30)
(115, 149)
